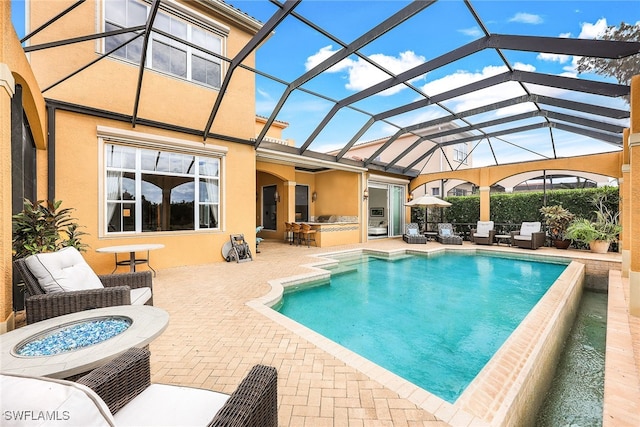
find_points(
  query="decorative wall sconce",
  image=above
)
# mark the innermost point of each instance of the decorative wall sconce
(276, 196)
(365, 195)
(410, 198)
(314, 196)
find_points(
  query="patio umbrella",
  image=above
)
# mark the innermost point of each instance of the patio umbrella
(428, 202)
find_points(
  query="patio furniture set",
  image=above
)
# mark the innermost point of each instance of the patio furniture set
(109, 382)
(529, 236)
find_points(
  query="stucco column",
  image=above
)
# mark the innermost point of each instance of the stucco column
(485, 210)
(625, 210)
(625, 205)
(634, 199)
(290, 200)
(7, 90)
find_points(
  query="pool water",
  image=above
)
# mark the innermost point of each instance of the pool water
(576, 395)
(435, 321)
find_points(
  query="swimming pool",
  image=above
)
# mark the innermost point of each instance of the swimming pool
(511, 386)
(434, 321)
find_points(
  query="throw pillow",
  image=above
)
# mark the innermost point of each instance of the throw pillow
(413, 232)
(445, 232)
(62, 271)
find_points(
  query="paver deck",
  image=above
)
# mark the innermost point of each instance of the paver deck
(214, 338)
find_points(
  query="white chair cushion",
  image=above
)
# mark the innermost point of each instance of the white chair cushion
(140, 296)
(529, 227)
(480, 235)
(521, 237)
(169, 405)
(30, 401)
(62, 271)
(412, 232)
(483, 228)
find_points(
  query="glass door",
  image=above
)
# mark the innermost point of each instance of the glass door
(396, 210)
(269, 207)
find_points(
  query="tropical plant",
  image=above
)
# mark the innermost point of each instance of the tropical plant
(605, 227)
(557, 220)
(43, 227)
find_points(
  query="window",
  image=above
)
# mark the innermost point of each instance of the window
(460, 153)
(149, 190)
(165, 54)
(435, 191)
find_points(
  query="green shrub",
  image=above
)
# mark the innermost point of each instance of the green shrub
(515, 208)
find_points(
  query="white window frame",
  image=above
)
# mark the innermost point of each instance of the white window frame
(192, 19)
(107, 135)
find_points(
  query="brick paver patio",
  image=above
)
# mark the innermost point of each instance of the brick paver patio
(214, 338)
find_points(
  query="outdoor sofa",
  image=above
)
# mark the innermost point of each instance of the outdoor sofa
(64, 283)
(120, 393)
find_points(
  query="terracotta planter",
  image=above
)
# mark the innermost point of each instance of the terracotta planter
(561, 244)
(599, 246)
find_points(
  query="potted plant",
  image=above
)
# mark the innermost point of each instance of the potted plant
(43, 227)
(557, 220)
(599, 233)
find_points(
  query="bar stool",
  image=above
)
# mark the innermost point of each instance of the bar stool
(288, 232)
(308, 234)
(295, 232)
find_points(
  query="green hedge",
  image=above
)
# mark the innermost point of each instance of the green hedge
(514, 208)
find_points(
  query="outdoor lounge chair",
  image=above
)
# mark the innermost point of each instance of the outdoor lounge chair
(483, 234)
(447, 236)
(121, 393)
(412, 235)
(64, 283)
(529, 236)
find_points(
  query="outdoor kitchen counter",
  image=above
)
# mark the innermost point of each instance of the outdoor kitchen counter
(336, 233)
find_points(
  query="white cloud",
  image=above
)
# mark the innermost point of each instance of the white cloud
(472, 32)
(526, 18)
(593, 31)
(553, 57)
(323, 54)
(361, 74)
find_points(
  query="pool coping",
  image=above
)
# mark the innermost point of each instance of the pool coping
(496, 396)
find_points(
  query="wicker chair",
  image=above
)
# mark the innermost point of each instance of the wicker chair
(412, 234)
(447, 236)
(529, 236)
(484, 233)
(40, 305)
(123, 391)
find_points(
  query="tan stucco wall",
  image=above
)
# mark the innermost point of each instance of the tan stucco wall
(78, 186)
(110, 84)
(338, 193)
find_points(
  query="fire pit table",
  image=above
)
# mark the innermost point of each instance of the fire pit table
(66, 346)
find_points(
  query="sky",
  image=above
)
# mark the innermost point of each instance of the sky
(443, 26)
